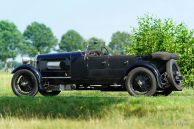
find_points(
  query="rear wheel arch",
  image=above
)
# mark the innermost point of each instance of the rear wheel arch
(149, 66)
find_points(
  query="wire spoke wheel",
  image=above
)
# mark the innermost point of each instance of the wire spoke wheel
(24, 83)
(173, 73)
(141, 81)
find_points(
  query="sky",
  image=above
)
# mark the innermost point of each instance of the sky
(98, 18)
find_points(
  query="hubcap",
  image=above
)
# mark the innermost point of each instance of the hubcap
(140, 83)
(24, 83)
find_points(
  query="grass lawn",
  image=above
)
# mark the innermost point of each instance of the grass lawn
(94, 109)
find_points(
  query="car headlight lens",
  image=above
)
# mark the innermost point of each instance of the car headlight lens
(28, 60)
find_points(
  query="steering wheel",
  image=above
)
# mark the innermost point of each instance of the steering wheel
(104, 51)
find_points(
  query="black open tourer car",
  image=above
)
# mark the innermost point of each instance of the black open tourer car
(49, 74)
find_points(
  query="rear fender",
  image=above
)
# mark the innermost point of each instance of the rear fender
(33, 70)
(149, 66)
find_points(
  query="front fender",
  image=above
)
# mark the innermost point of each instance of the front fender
(33, 70)
(149, 66)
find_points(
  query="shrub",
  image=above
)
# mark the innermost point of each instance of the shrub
(154, 34)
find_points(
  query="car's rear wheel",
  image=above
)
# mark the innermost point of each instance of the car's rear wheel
(24, 83)
(141, 81)
(49, 93)
(173, 73)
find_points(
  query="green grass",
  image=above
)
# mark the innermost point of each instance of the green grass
(94, 109)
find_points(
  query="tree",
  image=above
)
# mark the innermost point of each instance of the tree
(10, 40)
(119, 41)
(154, 34)
(95, 43)
(38, 39)
(72, 41)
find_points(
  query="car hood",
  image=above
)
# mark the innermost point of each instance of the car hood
(59, 55)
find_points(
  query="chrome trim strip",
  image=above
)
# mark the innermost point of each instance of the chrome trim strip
(56, 77)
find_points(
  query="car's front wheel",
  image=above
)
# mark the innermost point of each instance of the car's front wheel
(24, 83)
(141, 81)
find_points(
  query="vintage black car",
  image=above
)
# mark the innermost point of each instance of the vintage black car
(49, 74)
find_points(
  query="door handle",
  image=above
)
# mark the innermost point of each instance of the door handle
(126, 62)
(104, 62)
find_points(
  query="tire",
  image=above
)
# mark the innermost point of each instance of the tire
(172, 70)
(141, 81)
(46, 93)
(24, 83)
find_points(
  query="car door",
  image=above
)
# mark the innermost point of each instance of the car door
(79, 70)
(118, 66)
(97, 67)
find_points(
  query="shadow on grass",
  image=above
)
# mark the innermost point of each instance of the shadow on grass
(73, 107)
(57, 107)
